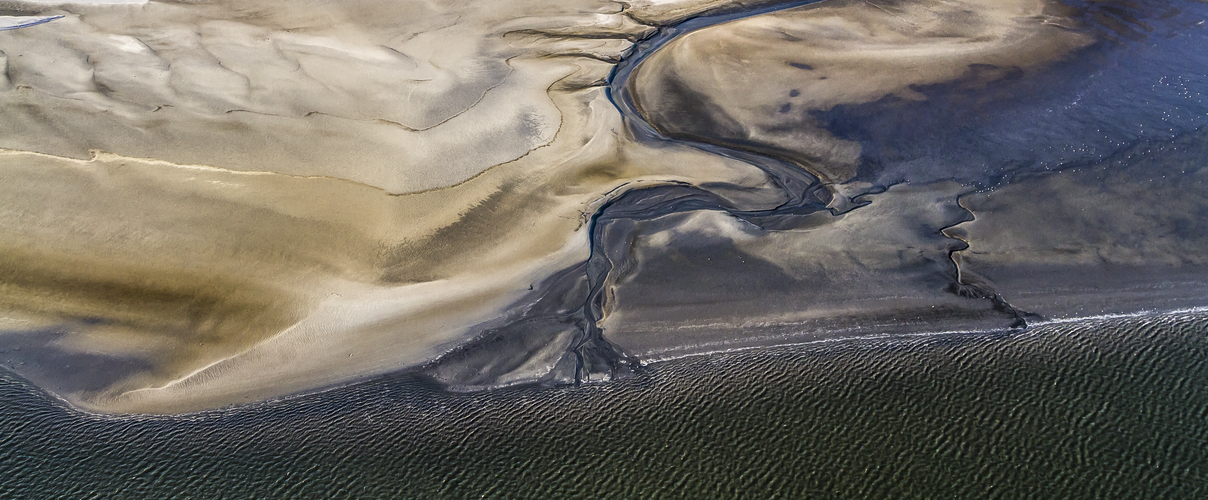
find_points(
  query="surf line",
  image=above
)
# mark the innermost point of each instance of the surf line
(17, 22)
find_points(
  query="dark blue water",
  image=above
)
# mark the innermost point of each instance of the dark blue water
(1098, 409)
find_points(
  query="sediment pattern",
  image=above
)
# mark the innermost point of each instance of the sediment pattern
(1090, 409)
(210, 203)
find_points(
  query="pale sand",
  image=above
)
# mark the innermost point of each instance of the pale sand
(338, 189)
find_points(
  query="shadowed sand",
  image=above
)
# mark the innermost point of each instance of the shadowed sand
(265, 250)
(753, 82)
(209, 203)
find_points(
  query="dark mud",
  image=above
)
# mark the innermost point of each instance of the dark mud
(1137, 87)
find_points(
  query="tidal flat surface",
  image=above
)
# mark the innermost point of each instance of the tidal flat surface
(581, 248)
(543, 237)
(1109, 408)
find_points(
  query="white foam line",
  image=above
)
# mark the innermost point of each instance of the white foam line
(902, 336)
(875, 336)
(1138, 314)
(211, 413)
(18, 22)
(81, 2)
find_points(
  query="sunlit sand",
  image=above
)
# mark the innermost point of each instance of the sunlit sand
(211, 203)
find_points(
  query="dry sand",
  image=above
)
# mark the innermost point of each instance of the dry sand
(207, 203)
(244, 200)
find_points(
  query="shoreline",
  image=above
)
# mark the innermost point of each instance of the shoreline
(767, 254)
(882, 340)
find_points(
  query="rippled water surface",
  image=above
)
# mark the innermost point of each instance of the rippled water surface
(1099, 409)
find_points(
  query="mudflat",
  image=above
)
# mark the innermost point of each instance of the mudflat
(211, 203)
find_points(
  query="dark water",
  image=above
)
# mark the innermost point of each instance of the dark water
(1100, 409)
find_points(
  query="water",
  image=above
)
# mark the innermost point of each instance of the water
(1108, 408)
(1111, 408)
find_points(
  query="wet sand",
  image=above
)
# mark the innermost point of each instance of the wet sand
(204, 206)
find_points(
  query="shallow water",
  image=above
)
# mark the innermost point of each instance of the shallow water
(1095, 409)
